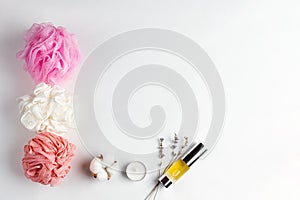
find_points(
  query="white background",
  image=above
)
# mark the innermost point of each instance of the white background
(255, 45)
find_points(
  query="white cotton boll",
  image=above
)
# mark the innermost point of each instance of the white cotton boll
(96, 165)
(101, 171)
(102, 175)
(112, 168)
(110, 163)
(98, 170)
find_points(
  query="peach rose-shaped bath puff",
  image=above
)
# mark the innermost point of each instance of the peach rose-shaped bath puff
(50, 53)
(47, 158)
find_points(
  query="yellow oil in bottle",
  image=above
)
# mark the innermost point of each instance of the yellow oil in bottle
(177, 169)
(182, 165)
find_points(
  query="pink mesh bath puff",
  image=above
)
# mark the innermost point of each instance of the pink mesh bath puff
(50, 53)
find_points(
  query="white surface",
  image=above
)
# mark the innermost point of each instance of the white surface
(255, 46)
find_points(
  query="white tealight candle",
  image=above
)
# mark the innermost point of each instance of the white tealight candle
(136, 171)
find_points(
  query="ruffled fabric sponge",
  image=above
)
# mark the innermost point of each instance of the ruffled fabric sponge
(49, 109)
(50, 53)
(47, 158)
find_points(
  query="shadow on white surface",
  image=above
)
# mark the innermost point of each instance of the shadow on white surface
(15, 82)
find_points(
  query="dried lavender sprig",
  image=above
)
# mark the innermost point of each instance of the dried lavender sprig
(174, 144)
(186, 142)
(161, 152)
(173, 147)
